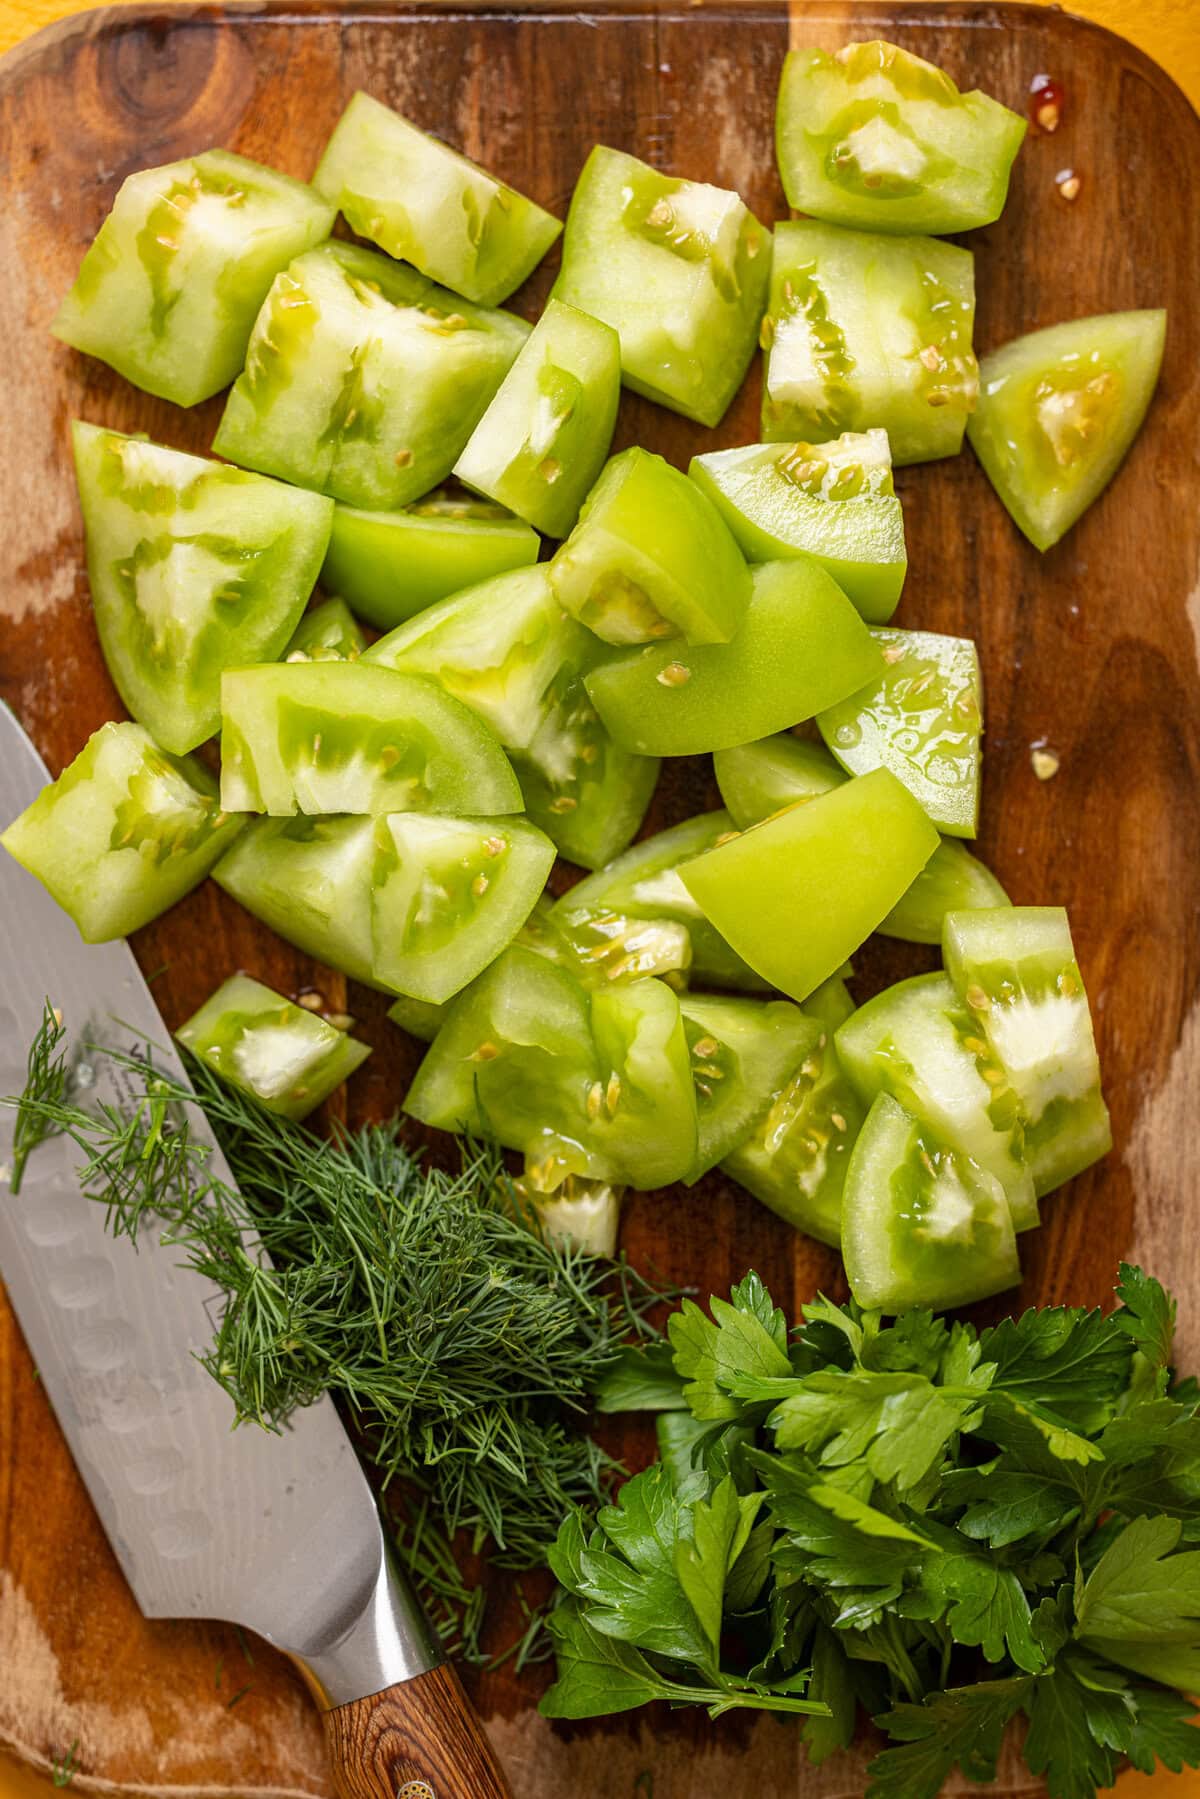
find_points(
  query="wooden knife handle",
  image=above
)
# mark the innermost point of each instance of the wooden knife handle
(418, 1740)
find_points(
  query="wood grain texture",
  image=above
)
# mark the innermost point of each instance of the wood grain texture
(419, 1740)
(1093, 648)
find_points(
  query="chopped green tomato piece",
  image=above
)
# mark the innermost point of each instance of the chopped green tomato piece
(391, 565)
(329, 633)
(651, 557)
(424, 203)
(168, 292)
(349, 737)
(418, 1017)
(644, 884)
(873, 136)
(597, 1086)
(923, 719)
(578, 1214)
(800, 643)
(193, 566)
(922, 1226)
(277, 1053)
(797, 894)
(758, 779)
(309, 880)
(917, 1041)
(869, 331)
(743, 1051)
(123, 833)
(795, 1159)
(449, 895)
(951, 880)
(363, 380)
(1057, 412)
(679, 269)
(1015, 970)
(832, 501)
(542, 442)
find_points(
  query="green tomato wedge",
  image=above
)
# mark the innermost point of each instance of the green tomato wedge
(309, 880)
(833, 501)
(193, 566)
(800, 644)
(329, 633)
(865, 330)
(651, 557)
(350, 737)
(923, 719)
(391, 565)
(917, 1041)
(281, 1056)
(644, 884)
(952, 880)
(1015, 970)
(796, 895)
(449, 895)
(1057, 412)
(742, 1051)
(417, 1017)
(169, 290)
(874, 137)
(679, 269)
(426, 204)
(363, 380)
(795, 1159)
(922, 1225)
(542, 441)
(124, 832)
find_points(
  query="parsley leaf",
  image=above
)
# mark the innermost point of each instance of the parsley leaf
(899, 1424)
(960, 1728)
(746, 1335)
(1138, 1589)
(982, 1602)
(596, 1675)
(1074, 1728)
(627, 1572)
(720, 1527)
(1147, 1315)
(1072, 1363)
(641, 1379)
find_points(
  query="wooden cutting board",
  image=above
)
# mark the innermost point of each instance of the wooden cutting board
(1092, 650)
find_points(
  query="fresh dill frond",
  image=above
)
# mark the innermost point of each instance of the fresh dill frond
(45, 1081)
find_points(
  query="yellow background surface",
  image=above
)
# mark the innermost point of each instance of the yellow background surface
(1169, 30)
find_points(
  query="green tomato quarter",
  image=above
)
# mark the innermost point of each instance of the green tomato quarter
(800, 643)
(426, 204)
(679, 269)
(328, 633)
(874, 137)
(951, 879)
(833, 501)
(542, 442)
(1057, 412)
(193, 567)
(309, 880)
(124, 832)
(363, 380)
(796, 895)
(865, 330)
(169, 290)
(742, 1051)
(650, 558)
(281, 1056)
(352, 737)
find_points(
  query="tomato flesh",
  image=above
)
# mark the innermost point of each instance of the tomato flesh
(833, 501)
(678, 268)
(742, 1052)
(309, 880)
(874, 137)
(328, 633)
(426, 204)
(351, 737)
(124, 832)
(363, 380)
(168, 292)
(800, 643)
(542, 442)
(1058, 410)
(867, 330)
(281, 1056)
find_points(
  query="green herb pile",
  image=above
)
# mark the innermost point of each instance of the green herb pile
(943, 1527)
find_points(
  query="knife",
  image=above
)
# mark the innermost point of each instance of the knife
(278, 1533)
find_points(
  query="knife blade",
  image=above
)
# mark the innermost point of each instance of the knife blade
(278, 1533)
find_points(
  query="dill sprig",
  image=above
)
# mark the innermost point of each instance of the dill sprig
(45, 1081)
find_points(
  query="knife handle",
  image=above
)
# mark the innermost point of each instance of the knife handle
(417, 1740)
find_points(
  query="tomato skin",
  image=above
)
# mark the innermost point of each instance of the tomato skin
(124, 832)
(168, 292)
(328, 633)
(392, 565)
(281, 1056)
(742, 1052)
(874, 137)
(426, 204)
(1058, 410)
(800, 642)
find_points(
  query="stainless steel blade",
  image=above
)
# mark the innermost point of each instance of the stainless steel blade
(276, 1532)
